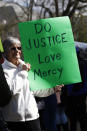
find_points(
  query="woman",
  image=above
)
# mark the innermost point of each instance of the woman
(22, 111)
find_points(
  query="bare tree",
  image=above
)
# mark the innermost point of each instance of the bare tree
(47, 8)
(50, 8)
(62, 7)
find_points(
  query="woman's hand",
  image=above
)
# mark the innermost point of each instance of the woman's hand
(26, 67)
(58, 88)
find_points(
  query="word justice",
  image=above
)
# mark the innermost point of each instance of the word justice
(46, 41)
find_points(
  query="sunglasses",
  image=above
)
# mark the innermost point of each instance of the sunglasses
(15, 48)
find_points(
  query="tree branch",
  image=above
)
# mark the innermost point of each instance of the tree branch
(81, 7)
(83, 1)
(70, 3)
(74, 8)
(56, 7)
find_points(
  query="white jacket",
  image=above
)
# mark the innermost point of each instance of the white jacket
(22, 106)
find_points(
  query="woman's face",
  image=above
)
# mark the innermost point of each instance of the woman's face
(14, 53)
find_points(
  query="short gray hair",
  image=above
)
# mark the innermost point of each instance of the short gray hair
(8, 42)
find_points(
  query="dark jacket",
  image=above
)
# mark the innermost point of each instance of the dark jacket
(5, 93)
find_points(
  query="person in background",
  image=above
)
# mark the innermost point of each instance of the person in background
(5, 95)
(50, 112)
(62, 119)
(54, 117)
(77, 94)
(21, 112)
(41, 108)
(1, 57)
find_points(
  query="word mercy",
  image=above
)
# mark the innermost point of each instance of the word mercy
(47, 73)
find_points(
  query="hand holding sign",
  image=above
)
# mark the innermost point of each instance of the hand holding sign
(26, 67)
(57, 90)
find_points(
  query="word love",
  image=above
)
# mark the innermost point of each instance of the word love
(48, 59)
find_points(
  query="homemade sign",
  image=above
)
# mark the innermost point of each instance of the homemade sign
(48, 45)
